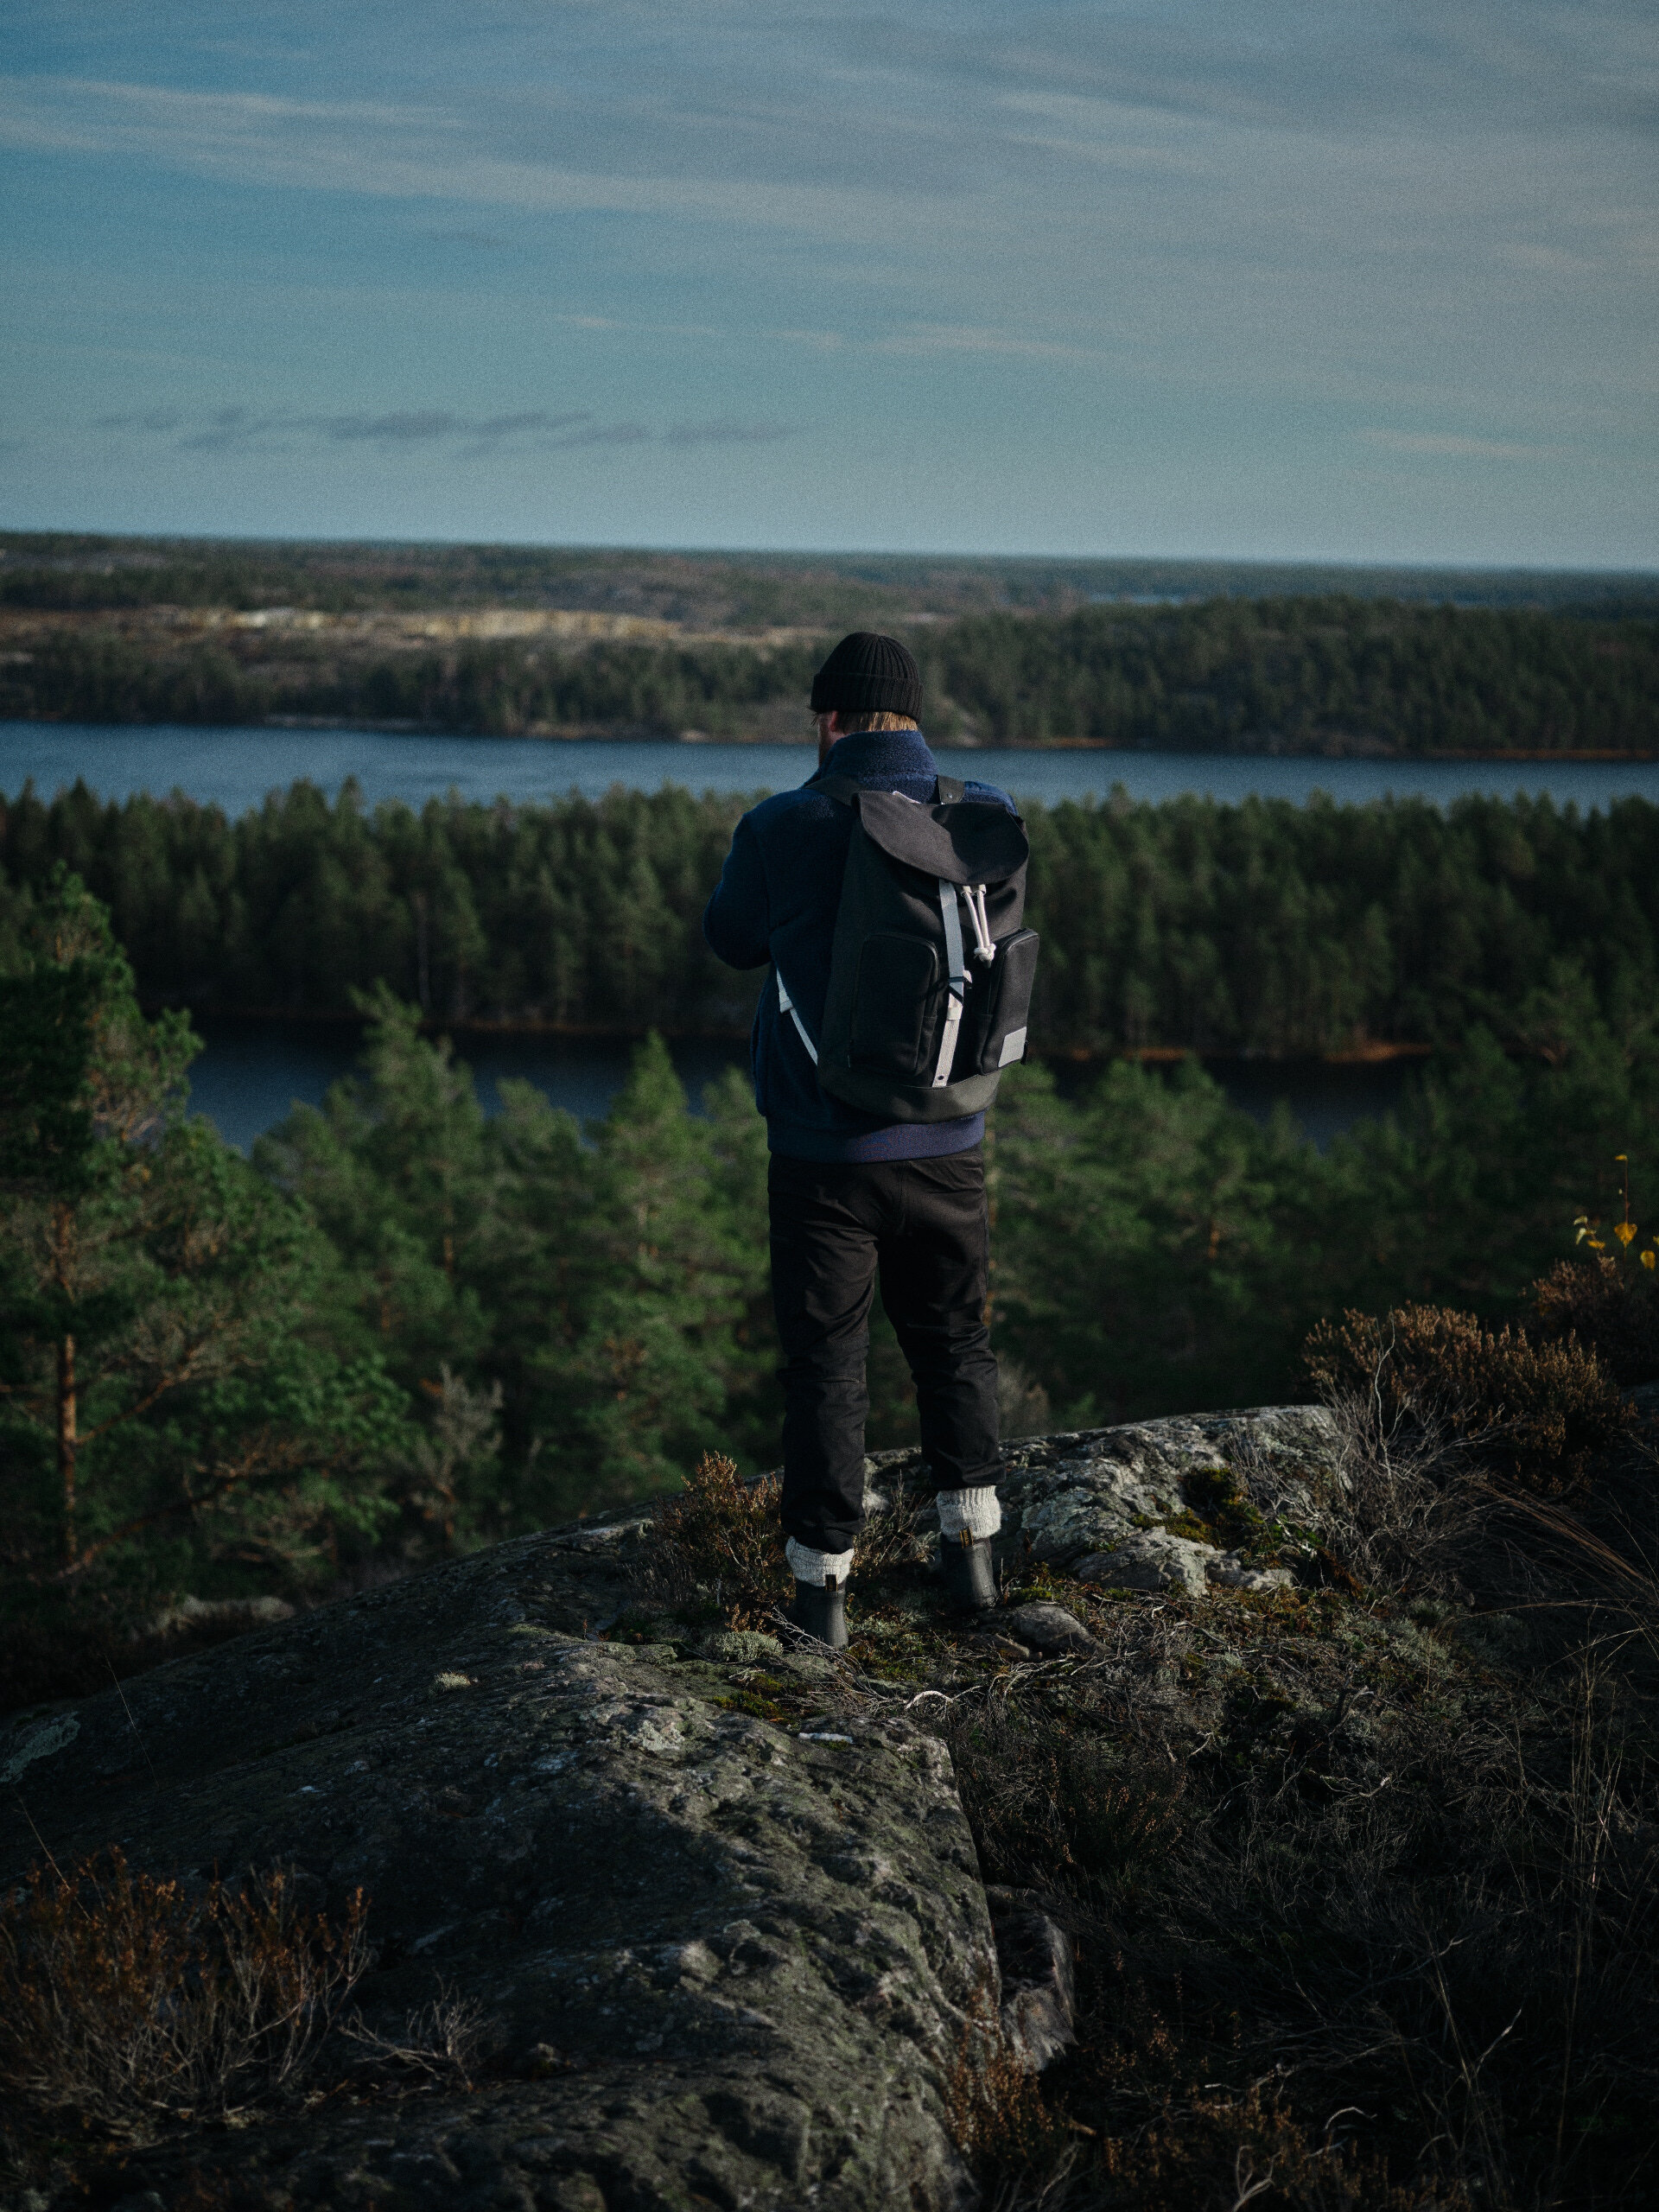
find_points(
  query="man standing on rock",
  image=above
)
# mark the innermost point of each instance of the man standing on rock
(852, 1197)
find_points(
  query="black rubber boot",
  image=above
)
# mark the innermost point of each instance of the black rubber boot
(969, 1578)
(821, 1612)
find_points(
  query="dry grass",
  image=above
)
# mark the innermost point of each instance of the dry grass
(1446, 1926)
(889, 1536)
(126, 2001)
(1203, 2146)
(1409, 1500)
(1022, 2154)
(1230, 2148)
(1414, 1510)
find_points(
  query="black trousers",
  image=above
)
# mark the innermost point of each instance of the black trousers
(919, 1225)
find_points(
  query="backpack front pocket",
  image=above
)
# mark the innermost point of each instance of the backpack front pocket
(896, 1006)
(998, 1007)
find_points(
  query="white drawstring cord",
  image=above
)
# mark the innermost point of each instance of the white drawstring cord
(984, 951)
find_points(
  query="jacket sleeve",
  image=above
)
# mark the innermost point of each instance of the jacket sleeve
(737, 920)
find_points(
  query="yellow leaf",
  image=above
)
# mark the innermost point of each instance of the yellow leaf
(1621, 1155)
(1625, 1231)
(1597, 1245)
(1650, 1258)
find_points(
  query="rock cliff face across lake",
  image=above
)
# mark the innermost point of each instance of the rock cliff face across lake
(728, 1954)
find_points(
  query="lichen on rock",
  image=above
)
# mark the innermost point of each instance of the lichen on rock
(1070, 1497)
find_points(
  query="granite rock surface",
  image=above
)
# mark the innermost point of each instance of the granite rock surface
(1089, 1494)
(723, 1955)
(740, 1959)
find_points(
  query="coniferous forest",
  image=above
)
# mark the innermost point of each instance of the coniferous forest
(402, 1328)
(1263, 928)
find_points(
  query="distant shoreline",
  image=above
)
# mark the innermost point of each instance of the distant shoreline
(694, 740)
(1376, 1054)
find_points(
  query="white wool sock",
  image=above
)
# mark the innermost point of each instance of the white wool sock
(816, 1567)
(975, 1511)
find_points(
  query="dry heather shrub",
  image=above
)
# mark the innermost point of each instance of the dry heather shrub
(1610, 1311)
(126, 2000)
(1219, 2148)
(1206, 2147)
(888, 1537)
(1052, 1802)
(206, 2189)
(720, 1538)
(1535, 1413)
(1020, 2153)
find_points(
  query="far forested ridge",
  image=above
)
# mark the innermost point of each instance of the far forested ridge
(1305, 675)
(1321, 674)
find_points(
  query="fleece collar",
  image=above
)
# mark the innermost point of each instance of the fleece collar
(870, 754)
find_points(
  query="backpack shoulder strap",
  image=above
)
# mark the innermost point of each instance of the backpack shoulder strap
(951, 788)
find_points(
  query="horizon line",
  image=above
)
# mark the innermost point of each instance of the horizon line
(1355, 562)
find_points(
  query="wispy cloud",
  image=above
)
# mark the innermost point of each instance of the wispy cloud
(921, 338)
(725, 434)
(415, 152)
(248, 429)
(607, 434)
(404, 427)
(1452, 445)
(966, 338)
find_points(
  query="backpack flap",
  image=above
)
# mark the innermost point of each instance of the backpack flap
(969, 842)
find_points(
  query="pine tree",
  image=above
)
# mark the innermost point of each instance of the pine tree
(157, 1385)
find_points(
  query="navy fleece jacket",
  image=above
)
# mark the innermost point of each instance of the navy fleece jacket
(775, 901)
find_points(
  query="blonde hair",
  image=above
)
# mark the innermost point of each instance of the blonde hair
(854, 725)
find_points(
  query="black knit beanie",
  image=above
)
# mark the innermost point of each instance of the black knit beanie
(869, 675)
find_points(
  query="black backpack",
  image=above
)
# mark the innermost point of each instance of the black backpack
(931, 974)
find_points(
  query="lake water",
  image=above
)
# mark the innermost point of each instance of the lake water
(250, 1073)
(235, 768)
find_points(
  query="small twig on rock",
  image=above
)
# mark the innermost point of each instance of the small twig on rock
(443, 2040)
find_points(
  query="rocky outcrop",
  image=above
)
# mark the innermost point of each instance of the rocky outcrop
(726, 1948)
(1095, 1495)
(741, 1958)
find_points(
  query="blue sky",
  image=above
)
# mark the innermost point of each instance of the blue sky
(1363, 279)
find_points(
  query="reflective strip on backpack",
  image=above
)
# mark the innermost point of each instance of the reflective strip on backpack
(958, 981)
(786, 1005)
